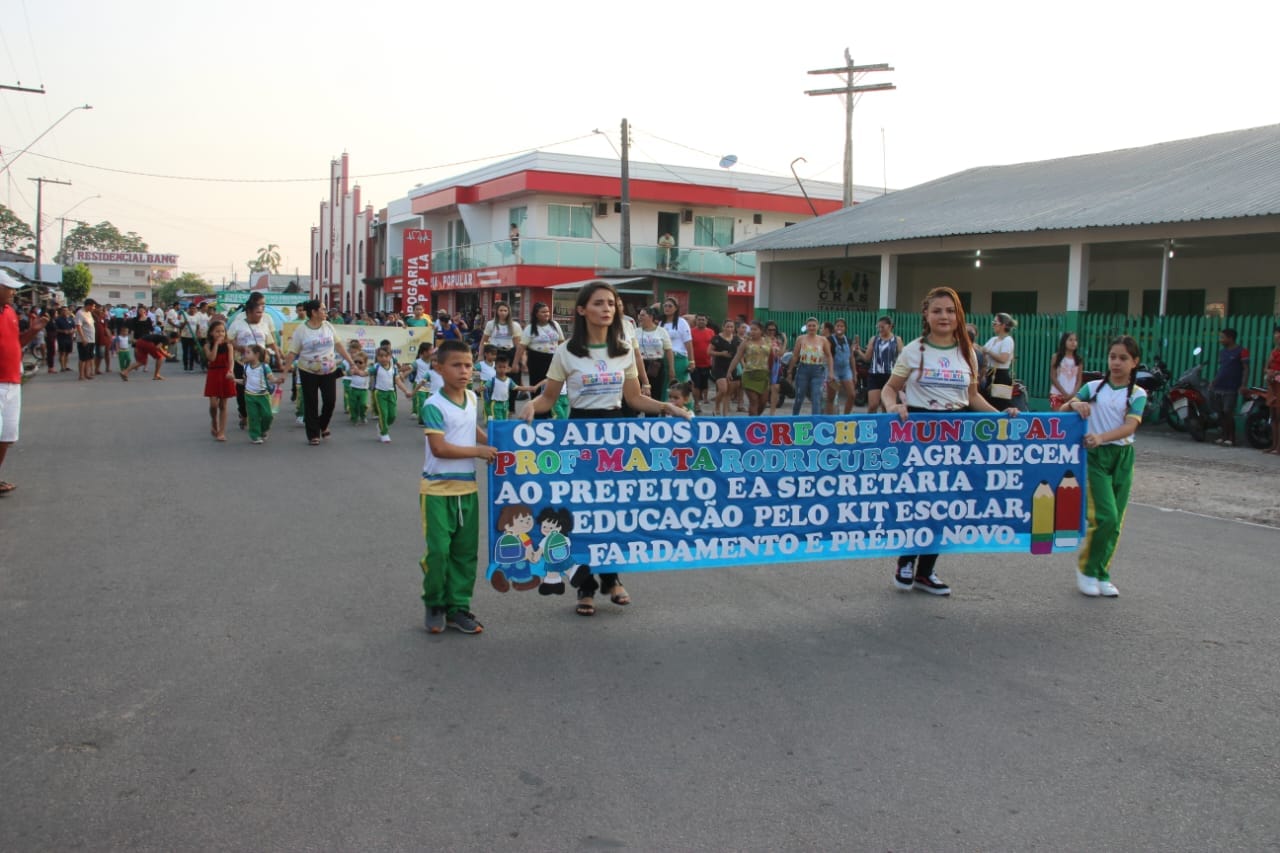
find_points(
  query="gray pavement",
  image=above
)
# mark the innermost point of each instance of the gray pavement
(214, 646)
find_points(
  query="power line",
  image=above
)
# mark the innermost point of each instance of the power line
(201, 179)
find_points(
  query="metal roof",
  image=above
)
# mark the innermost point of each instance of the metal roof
(1223, 176)
(639, 170)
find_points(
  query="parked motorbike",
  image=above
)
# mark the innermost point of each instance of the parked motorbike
(1257, 417)
(1189, 401)
(1151, 378)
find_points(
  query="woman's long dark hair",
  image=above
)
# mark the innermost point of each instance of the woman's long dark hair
(533, 319)
(617, 333)
(1062, 352)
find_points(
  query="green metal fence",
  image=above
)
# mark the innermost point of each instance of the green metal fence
(1171, 338)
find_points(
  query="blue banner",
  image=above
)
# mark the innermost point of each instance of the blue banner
(653, 494)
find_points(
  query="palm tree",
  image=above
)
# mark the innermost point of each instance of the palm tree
(268, 259)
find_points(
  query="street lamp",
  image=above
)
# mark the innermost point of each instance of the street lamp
(62, 234)
(42, 136)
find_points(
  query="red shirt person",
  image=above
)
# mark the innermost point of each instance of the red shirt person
(701, 334)
(11, 343)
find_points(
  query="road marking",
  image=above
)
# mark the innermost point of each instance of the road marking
(1206, 515)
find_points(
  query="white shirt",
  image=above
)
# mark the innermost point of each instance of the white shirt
(384, 378)
(243, 334)
(944, 383)
(502, 336)
(653, 342)
(680, 334)
(594, 382)
(458, 424)
(314, 348)
(255, 379)
(1000, 346)
(1107, 409)
(546, 340)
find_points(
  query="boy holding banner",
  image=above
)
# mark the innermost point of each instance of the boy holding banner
(449, 497)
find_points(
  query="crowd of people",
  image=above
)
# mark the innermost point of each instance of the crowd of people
(662, 363)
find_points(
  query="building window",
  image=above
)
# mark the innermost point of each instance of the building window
(360, 257)
(565, 220)
(113, 294)
(113, 273)
(139, 273)
(516, 216)
(347, 268)
(140, 295)
(714, 231)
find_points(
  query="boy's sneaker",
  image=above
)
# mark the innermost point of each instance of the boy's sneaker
(257, 441)
(904, 578)
(1087, 585)
(465, 622)
(299, 422)
(385, 439)
(932, 585)
(434, 620)
(1107, 589)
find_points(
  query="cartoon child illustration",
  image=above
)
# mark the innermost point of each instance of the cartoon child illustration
(513, 554)
(554, 550)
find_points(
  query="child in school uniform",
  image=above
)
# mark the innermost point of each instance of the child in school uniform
(359, 394)
(486, 369)
(500, 392)
(257, 392)
(383, 382)
(1113, 408)
(681, 394)
(424, 385)
(123, 348)
(449, 497)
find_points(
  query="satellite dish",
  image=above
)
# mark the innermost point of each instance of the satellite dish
(728, 160)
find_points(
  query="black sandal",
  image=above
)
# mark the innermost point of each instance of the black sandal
(586, 605)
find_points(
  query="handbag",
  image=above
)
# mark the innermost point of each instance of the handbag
(1000, 392)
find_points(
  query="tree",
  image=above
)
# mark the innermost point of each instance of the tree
(76, 282)
(15, 235)
(103, 237)
(268, 259)
(188, 282)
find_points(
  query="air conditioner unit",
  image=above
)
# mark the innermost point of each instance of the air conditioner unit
(602, 209)
(686, 216)
(374, 222)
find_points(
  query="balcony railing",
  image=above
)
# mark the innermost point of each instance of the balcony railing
(580, 253)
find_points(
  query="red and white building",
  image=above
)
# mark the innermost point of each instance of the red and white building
(567, 212)
(340, 244)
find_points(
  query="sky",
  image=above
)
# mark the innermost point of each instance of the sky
(255, 98)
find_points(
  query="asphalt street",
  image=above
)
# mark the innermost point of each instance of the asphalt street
(220, 646)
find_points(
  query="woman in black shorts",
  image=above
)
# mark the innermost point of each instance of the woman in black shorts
(723, 348)
(882, 351)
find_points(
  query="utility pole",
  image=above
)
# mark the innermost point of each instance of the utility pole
(62, 233)
(40, 182)
(626, 197)
(850, 74)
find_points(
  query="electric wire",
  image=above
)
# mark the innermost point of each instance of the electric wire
(366, 175)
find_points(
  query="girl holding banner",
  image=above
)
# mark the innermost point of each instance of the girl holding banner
(936, 373)
(598, 369)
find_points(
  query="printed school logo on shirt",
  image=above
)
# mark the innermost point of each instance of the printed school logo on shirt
(602, 381)
(944, 375)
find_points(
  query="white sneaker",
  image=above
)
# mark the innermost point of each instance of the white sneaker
(300, 422)
(385, 439)
(1087, 585)
(1107, 589)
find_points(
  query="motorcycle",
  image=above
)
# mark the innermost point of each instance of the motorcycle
(1151, 378)
(1189, 401)
(1257, 417)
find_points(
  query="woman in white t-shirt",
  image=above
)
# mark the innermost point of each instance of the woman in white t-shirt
(598, 368)
(502, 332)
(315, 347)
(937, 372)
(655, 352)
(999, 352)
(539, 342)
(681, 339)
